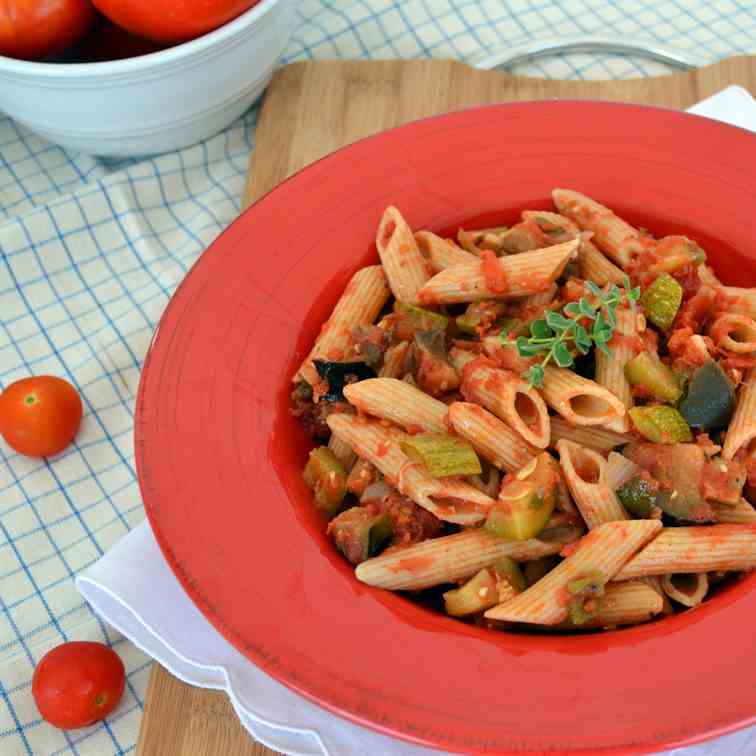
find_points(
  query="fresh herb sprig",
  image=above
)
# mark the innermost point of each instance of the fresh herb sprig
(555, 334)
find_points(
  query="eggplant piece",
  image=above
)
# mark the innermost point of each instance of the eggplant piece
(433, 371)
(337, 374)
(710, 400)
(359, 533)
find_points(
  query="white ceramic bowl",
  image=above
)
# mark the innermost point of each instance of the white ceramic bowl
(152, 103)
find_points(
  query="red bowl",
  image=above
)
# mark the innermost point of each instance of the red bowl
(220, 459)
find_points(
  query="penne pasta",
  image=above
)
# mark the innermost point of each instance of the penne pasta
(602, 551)
(598, 439)
(704, 548)
(342, 451)
(510, 398)
(610, 368)
(584, 472)
(687, 589)
(499, 277)
(741, 300)
(578, 400)
(449, 500)
(447, 559)
(405, 267)
(362, 300)
(398, 402)
(741, 513)
(592, 263)
(394, 361)
(742, 430)
(491, 438)
(734, 333)
(441, 253)
(619, 470)
(618, 239)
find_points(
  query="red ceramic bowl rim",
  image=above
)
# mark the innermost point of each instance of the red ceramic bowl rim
(186, 414)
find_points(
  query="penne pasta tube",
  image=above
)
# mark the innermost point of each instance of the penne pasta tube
(619, 469)
(734, 332)
(741, 513)
(598, 439)
(447, 559)
(624, 604)
(741, 300)
(362, 300)
(449, 500)
(499, 277)
(461, 357)
(687, 589)
(394, 361)
(592, 263)
(584, 472)
(579, 400)
(610, 368)
(510, 398)
(707, 276)
(603, 551)
(618, 239)
(342, 451)
(742, 429)
(405, 267)
(703, 548)
(398, 402)
(441, 253)
(491, 438)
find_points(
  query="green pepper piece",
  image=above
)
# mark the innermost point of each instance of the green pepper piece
(507, 569)
(661, 301)
(479, 593)
(526, 502)
(327, 478)
(639, 495)
(442, 454)
(661, 424)
(710, 400)
(422, 319)
(535, 570)
(647, 370)
(359, 533)
(586, 597)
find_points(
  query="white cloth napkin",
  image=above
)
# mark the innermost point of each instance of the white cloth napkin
(134, 590)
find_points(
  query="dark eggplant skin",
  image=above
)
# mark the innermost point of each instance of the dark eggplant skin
(336, 373)
(710, 399)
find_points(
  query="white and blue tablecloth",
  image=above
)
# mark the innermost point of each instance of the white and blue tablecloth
(91, 250)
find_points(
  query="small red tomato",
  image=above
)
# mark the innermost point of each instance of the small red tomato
(36, 29)
(78, 683)
(39, 416)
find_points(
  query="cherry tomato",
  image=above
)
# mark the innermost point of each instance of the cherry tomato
(36, 29)
(39, 416)
(172, 20)
(77, 684)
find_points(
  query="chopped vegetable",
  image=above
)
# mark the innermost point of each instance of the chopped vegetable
(507, 569)
(525, 503)
(639, 495)
(481, 314)
(339, 374)
(723, 481)
(442, 454)
(479, 593)
(327, 478)
(359, 533)
(433, 371)
(661, 301)
(710, 400)
(535, 570)
(585, 597)
(648, 371)
(420, 318)
(661, 424)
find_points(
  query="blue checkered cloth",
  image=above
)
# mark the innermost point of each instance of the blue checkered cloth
(91, 250)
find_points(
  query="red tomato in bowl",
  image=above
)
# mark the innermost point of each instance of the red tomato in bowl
(39, 416)
(77, 684)
(36, 29)
(172, 20)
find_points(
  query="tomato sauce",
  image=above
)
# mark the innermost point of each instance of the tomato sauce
(493, 273)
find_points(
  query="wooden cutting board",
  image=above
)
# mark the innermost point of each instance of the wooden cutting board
(311, 109)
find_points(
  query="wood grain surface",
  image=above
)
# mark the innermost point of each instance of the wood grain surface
(311, 109)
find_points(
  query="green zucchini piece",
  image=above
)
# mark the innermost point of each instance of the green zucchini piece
(710, 400)
(442, 454)
(526, 502)
(359, 533)
(433, 371)
(422, 319)
(327, 478)
(661, 301)
(479, 593)
(586, 595)
(661, 424)
(647, 370)
(507, 569)
(639, 495)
